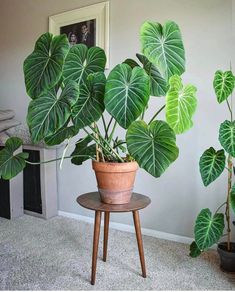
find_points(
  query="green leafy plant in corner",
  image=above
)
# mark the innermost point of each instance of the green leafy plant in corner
(70, 93)
(209, 227)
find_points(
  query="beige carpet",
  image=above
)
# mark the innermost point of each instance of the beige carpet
(56, 255)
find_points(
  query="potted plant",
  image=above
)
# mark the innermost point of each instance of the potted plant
(209, 227)
(69, 92)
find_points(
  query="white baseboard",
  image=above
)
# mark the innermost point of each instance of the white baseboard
(129, 228)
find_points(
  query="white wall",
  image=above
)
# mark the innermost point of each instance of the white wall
(206, 26)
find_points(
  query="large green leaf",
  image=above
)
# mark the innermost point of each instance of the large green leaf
(132, 63)
(163, 46)
(227, 136)
(48, 113)
(158, 85)
(126, 93)
(208, 229)
(43, 68)
(232, 198)
(11, 164)
(152, 146)
(194, 250)
(90, 104)
(211, 164)
(83, 151)
(223, 84)
(181, 104)
(63, 133)
(81, 61)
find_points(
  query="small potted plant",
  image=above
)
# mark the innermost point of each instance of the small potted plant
(209, 227)
(69, 92)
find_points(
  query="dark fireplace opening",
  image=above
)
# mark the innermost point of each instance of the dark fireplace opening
(32, 183)
(5, 207)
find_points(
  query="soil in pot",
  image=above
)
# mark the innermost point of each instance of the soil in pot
(227, 258)
(115, 180)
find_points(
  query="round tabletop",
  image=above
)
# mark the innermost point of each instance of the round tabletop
(92, 201)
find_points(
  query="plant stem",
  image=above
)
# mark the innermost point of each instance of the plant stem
(113, 152)
(230, 109)
(53, 160)
(96, 141)
(64, 152)
(230, 173)
(220, 207)
(104, 125)
(229, 170)
(227, 211)
(124, 142)
(109, 124)
(142, 116)
(158, 112)
(111, 135)
(98, 149)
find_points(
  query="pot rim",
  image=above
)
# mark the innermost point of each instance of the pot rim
(225, 243)
(118, 163)
(101, 166)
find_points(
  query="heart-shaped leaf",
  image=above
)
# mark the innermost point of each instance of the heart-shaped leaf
(208, 229)
(43, 68)
(47, 114)
(163, 46)
(81, 61)
(194, 250)
(181, 104)
(158, 85)
(63, 133)
(152, 146)
(83, 151)
(132, 63)
(232, 198)
(90, 104)
(126, 93)
(11, 164)
(211, 164)
(224, 83)
(227, 136)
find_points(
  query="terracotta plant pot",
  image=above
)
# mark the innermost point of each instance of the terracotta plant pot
(115, 180)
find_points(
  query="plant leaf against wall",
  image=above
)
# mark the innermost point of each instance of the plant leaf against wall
(10, 163)
(158, 85)
(48, 113)
(208, 229)
(126, 93)
(132, 63)
(43, 68)
(181, 104)
(62, 134)
(152, 146)
(83, 149)
(212, 164)
(90, 104)
(227, 136)
(223, 83)
(163, 46)
(81, 61)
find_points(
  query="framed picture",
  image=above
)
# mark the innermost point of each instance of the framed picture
(87, 25)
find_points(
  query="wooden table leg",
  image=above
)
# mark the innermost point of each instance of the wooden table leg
(139, 241)
(95, 245)
(106, 234)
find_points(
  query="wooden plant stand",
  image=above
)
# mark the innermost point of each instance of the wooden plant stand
(92, 201)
